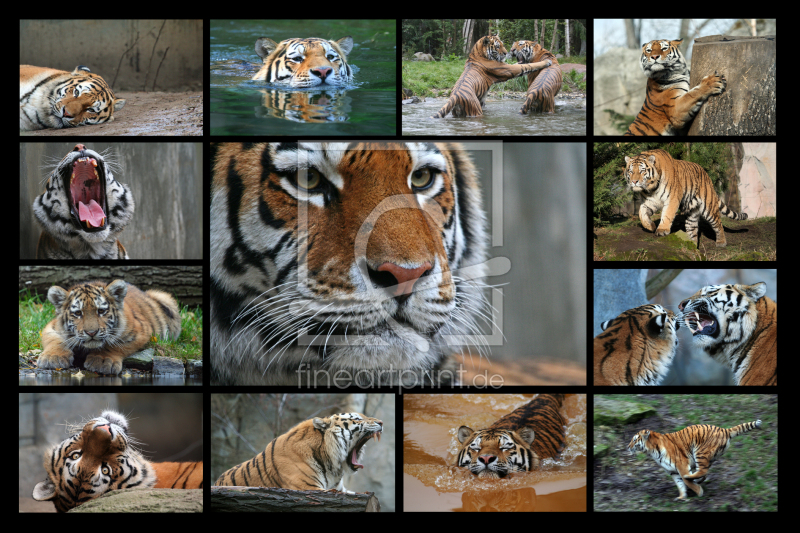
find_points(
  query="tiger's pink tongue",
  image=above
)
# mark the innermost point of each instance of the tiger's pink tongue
(92, 214)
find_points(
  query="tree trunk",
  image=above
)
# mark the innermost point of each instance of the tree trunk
(183, 282)
(747, 107)
(270, 499)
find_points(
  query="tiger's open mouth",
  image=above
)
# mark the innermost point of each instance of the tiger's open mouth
(700, 323)
(352, 460)
(85, 183)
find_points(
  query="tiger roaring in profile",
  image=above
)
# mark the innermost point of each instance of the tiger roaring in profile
(357, 262)
(672, 184)
(313, 455)
(50, 98)
(637, 347)
(483, 69)
(83, 209)
(669, 105)
(687, 454)
(305, 62)
(737, 325)
(515, 443)
(101, 457)
(105, 323)
(543, 85)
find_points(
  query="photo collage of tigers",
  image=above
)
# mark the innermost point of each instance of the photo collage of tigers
(379, 229)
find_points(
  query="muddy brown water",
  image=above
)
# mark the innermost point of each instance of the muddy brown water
(432, 483)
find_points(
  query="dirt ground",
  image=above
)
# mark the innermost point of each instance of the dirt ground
(626, 239)
(145, 113)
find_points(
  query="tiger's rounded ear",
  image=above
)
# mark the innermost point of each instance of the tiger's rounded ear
(527, 434)
(57, 296)
(44, 491)
(464, 433)
(322, 423)
(604, 325)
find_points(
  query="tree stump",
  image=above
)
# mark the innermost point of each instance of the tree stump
(747, 107)
(270, 499)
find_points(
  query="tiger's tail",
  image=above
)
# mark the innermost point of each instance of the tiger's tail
(730, 213)
(744, 428)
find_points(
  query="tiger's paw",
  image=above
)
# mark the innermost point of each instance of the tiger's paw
(715, 83)
(103, 364)
(662, 232)
(54, 360)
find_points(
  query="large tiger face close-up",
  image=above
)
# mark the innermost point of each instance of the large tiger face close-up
(737, 325)
(357, 258)
(637, 347)
(313, 455)
(105, 323)
(50, 98)
(83, 208)
(305, 62)
(517, 442)
(100, 457)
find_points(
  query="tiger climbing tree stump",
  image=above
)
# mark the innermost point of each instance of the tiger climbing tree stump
(747, 107)
(270, 499)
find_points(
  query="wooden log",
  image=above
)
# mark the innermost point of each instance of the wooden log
(271, 499)
(747, 107)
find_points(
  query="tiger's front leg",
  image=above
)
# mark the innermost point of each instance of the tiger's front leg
(681, 486)
(645, 212)
(104, 362)
(54, 353)
(688, 105)
(667, 216)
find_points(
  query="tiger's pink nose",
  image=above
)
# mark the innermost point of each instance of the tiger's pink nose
(322, 72)
(406, 277)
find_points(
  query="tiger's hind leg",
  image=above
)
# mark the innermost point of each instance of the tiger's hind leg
(681, 486)
(701, 470)
(692, 223)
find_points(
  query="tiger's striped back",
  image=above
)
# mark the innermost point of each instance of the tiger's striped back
(637, 347)
(50, 98)
(483, 68)
(688, 454)
(669, 104)
(543, 85)
(672, 184)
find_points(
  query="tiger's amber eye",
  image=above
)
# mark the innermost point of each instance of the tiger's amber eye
(309, 179)
(422, 178)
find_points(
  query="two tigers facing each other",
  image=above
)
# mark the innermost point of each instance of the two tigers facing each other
(304, 62)
(737, 325)
(637, 347)
(100, 458)
(83, 209)
(50, 98)
(687, 454)
(313, 455)
(515, 443)
(671, 184)
(105, 323)
(669, 105)
(483, 69)
(392, 242)
(543, 85)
